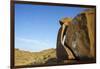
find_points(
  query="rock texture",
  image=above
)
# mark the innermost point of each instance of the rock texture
(80, 37)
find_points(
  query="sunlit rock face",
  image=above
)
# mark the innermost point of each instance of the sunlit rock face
(81, 35)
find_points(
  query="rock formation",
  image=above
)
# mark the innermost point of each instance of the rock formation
(80, 37)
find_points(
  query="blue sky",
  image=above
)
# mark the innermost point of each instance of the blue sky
(36, 26)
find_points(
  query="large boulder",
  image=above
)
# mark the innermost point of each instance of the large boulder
(80, 37)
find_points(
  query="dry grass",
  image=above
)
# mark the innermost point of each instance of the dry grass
(33, 58)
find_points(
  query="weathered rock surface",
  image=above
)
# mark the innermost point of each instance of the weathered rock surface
(80, 38)
(81, 35)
